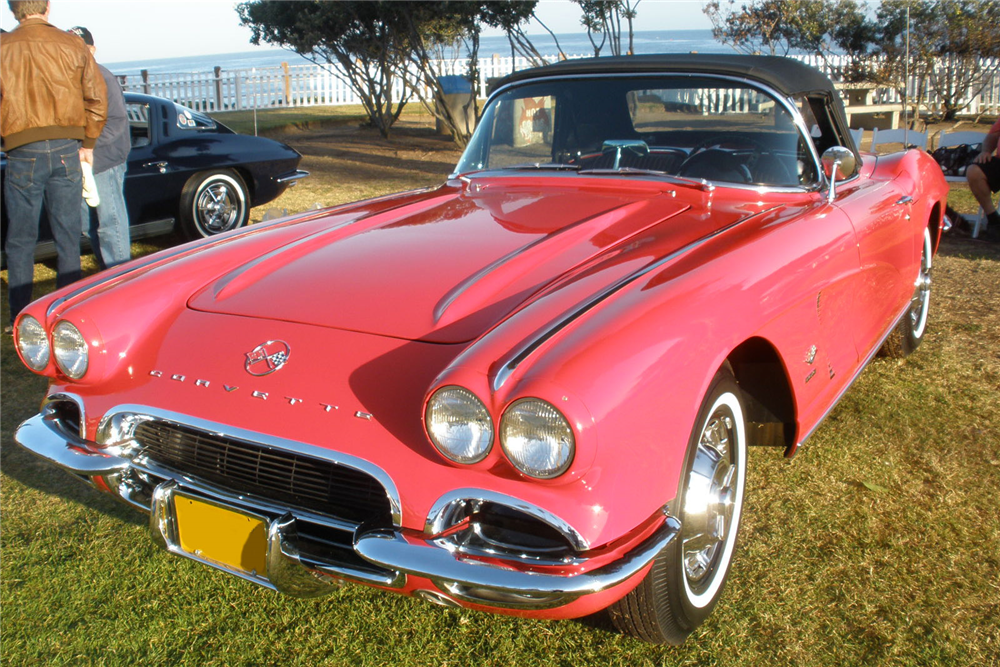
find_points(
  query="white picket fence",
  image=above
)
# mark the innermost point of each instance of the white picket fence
(313, 85)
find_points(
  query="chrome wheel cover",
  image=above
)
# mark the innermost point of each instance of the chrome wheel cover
(219, 207)
(712, 501)
(920, 301)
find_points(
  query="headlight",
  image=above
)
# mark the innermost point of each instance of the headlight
(459, 425)
(33, 343)
(70, 349)
(537, 438)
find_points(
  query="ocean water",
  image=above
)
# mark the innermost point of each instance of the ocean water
(576, 44)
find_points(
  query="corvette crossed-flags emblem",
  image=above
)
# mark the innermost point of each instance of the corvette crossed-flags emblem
(267, 357)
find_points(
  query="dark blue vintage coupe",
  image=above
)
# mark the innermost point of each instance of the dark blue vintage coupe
(188, 170)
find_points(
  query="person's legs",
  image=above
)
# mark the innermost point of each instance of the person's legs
(112, 230)
(62, 203)
(27, 173)
(979, 184)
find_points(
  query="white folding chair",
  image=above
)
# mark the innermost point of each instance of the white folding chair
(858, 135)
(901, 136)
(965, 137)
(960, 138)
(979, 224)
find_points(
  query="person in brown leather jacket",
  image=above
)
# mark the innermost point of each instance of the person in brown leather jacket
(53, 104)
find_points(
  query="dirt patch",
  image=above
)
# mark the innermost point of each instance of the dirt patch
(412, 147)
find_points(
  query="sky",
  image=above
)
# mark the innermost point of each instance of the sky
(126, 30)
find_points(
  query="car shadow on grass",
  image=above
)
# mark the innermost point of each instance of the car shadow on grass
(959, 243)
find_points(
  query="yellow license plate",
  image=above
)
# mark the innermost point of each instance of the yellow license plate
(223, 536)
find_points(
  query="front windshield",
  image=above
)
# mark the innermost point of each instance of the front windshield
(697, 127)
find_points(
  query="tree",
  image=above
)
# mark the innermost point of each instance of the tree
(381, 46)
(430, 25)
(953, 47)
(351, 40)
(604, 18)
(511, 17)
(778, 27)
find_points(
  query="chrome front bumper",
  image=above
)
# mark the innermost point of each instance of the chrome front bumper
(387, 556)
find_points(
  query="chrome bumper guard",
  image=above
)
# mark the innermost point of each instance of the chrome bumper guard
(458, 576)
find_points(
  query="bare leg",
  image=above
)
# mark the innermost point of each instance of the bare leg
(980, 188)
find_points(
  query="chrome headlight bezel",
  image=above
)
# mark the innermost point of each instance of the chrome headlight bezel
(70, 350)
(451, 409)
(33, 343)
(537, 438)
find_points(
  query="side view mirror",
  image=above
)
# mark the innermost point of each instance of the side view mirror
(839, 163)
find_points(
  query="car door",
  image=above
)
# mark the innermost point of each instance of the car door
(880, 212)
(152, 204)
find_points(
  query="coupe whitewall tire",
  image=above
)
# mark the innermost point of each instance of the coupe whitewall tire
(213, 203)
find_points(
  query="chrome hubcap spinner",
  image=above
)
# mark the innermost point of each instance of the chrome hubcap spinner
(709, 499)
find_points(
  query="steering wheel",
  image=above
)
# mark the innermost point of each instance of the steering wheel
(716, 157)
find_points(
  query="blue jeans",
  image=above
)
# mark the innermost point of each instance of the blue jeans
(108, 230)
(46, 171)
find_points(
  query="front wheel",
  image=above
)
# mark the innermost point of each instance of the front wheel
(686, 580)
(907, 335)
(214, 202)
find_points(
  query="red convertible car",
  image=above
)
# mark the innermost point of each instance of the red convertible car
(530, 390)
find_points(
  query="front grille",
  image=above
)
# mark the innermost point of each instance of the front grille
(274, 474)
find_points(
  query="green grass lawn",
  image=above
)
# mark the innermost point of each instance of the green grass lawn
(879, 544)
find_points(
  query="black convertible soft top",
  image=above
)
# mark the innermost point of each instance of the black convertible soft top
(785, 75)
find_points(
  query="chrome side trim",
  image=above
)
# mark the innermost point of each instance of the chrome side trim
(519, 354)
(292, 177)
(440, 516)
(483, 583)
(305, 449)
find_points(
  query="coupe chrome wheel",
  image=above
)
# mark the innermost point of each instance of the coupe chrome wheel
(214, 203)
(217, 207)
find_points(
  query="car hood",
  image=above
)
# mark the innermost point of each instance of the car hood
(444, 268)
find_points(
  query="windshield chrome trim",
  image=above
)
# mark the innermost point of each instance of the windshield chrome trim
(786, 102)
